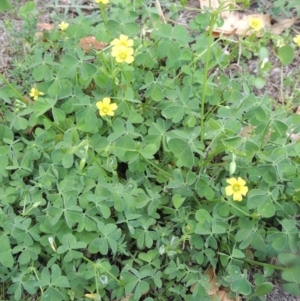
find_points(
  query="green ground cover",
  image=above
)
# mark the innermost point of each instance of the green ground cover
(133, 170)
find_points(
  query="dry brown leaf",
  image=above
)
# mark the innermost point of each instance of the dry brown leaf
(45, 26)
(247, 131)
(223, 296)
(213, 285)
(214, 292)
(238, 23)
(160, 11)
(89, 43)
(125, 298)
(291, 135)
(281, 25)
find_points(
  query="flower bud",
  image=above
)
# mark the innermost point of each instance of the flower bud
(82, 163)
(51, 242)
(232, 167)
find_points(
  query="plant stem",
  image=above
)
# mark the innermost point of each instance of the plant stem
(204, 89)
(22, 98)
(99, 265)
(237, 208)
(103, 13)
(161, 170)
(265, 265)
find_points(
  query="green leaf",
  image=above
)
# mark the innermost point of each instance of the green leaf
(149, 150)
(177, 201)
(163, 31)
(293, 288)
(156, 93)
(87, 120)
(58, 115)
(264, 289)
(238, 254)
(6, 134)
(241, 286)
(292, 274)
(41, 106)
(6, 257)
(259, 82)
(266, 209)
(286, 54)
(27, 9)
(42, 72)
(131, 29)
(141, 288)
(174, 111)
(5, 5)
(67, 160)
(182, 151)
(202, 216)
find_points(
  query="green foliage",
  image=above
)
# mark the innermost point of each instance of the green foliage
(5, 5)
(134, 203)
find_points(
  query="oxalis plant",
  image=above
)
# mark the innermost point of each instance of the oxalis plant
(129, 172)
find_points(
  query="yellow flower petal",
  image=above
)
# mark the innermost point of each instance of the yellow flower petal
(34, 93)
(99, 104)
(105, 107)
(113, 106)
(244, 190)
(122, 54)
(256, 23)
(63, 26)
(229, 191)
(236, 188)
(106, 101)
(241, 181)
(231, 181)
(122, 41)
(102, 1)
(297, 40)
(129, 59)
(237, 197)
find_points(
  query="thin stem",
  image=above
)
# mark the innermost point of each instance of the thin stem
(281, 85)
(264, 135)
(253, 262)
(22, 98)
(265, 265)
(98, 164)
(205, 78)
(96, 280)
(37, 277)
(237, 208)
(99, 265)
(158, 168)
(103, 13)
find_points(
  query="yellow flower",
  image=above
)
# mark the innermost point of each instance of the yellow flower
(236, 188)
(102, 1)
(34, 93)
(122, 54)
(122, 41)
(105, 107)
(63, 26)
(256, 23)
(297, 40)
